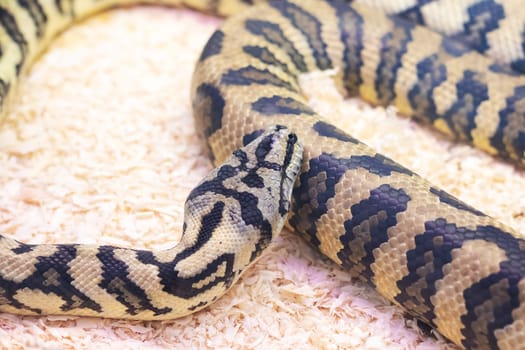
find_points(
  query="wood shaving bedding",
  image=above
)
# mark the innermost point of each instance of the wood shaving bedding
(99, 147)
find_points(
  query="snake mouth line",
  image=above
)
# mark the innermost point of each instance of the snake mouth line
(290, 168)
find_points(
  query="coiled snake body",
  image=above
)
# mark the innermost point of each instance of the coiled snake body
(378, 220)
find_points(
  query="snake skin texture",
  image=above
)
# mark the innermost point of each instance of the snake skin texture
(491, 27)
(439, 259)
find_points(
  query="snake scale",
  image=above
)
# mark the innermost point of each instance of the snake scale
(441, 260)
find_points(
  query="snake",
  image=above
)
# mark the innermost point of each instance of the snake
(280, 164)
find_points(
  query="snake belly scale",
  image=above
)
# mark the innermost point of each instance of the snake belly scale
(375, 218)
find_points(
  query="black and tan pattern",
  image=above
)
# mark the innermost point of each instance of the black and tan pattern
(441, 260)
(494, 27)
(231, 216)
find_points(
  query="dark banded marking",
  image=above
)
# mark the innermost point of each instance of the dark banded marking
(446, 198)
(66, 7)
(494, 290)
(284, 202)
(23, 248)
(253, 180)
(51, 276)
(184, 287)
(227, 171)
(393, 47)
(261, 152)
(431, 72)
(208, 104)
(500, 290)
(4, 90)
(454, 47)
(519, 144)
(276, 105)
(470, 93)
(413, 14)
(197, 306)
(433, 251)
(350, 25)
(8, 290)
(368, 228)
(248, 202)
(519, 64)
(116, 281)
(246, 139)
(309, 206)
(509, 123)
(328, 130)
(503, 69)
(249, 75)
(213, 46)
(264, 147)
(8, 22)
(379, 165)
(37, 14)
(273, 34)
(311, 28)
(208, 224)
(425, 263)
(483, 18)
(208, 109)
(264, 55)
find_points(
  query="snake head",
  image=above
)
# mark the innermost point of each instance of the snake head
(254, 184)
(243, 203)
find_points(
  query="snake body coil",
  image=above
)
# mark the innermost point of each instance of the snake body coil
(441, 260)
